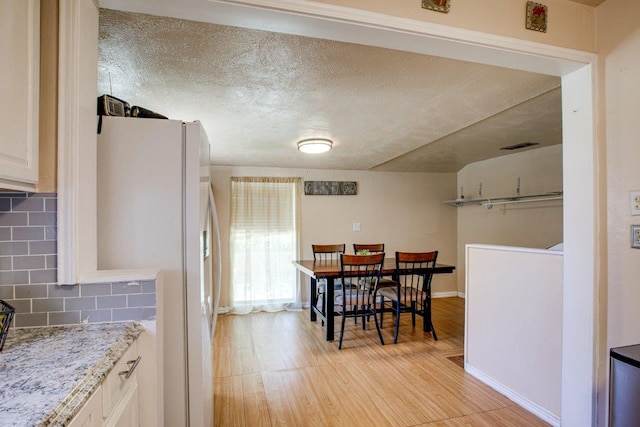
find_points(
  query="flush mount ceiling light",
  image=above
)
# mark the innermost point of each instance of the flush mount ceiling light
(315, 145)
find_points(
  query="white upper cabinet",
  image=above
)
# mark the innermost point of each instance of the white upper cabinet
(19, 93)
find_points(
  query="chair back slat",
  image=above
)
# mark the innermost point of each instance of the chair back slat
(371, 247)
(414, 271)
(329, 253)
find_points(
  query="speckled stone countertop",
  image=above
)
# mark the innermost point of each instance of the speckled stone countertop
(48, 373)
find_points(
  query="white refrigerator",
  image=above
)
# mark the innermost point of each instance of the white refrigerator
(156, 210)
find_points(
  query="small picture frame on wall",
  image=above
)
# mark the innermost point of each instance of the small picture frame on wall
(437, 5)
(537, 17)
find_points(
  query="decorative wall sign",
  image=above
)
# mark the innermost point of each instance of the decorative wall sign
(536, 17)
(437, 5)
(330, 188)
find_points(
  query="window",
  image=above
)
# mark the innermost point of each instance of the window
(264, 241)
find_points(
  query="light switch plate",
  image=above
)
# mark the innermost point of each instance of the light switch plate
(635, 236)
(635, 202)
(356, 226)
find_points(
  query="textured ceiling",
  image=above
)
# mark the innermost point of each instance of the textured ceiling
(257, 93)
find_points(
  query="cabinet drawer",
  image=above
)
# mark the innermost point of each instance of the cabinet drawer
(116, 384)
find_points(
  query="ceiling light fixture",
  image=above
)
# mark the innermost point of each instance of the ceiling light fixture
(315, 145)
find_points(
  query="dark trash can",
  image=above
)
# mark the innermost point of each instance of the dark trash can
(624, 386)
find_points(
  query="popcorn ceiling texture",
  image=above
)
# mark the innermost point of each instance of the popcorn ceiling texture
(257, 93)
(28, 272)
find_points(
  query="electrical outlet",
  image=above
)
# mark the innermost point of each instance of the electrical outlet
(635, 202)
(635, 236)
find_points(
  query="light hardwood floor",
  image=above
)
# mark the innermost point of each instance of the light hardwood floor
(276, 369)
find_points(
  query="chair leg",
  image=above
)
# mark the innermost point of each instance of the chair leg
(342, 329)
(413, 314)
(381, 310)
(375, 318)
(397, 312)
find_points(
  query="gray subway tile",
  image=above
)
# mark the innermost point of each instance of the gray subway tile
(30, 204)
(120, 288)
(148, 313)
(64, 318)
(6, 292)
(82, 303)
(5, 233)
(148, 286)
(116, 301)
(63, 291)
(95, 289)
(43, 276)
(31, 291)
(28, 233)
(28, 262)
(52, 261)
(30, 319)
(141, 300)
(14, 277)
(121, 314)
(5, 204)
(14, 248)
(51, 205)
(5, 263)
(48, 247)
(20, 305)
(50, 233)
(47, 304)
(42, 218)
(13, 219)
(96, 316)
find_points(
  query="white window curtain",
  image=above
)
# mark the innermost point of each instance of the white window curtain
(264, 240)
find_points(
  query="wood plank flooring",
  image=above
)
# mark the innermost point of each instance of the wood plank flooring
(276, 369)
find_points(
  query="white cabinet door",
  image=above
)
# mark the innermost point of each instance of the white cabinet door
(90, 415)
(125, 414)
(19, 92)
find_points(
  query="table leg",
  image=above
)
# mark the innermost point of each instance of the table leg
(329, 308)
(312, 298)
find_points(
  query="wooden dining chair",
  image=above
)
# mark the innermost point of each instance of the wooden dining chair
(329, 254)
(412, 293)
(375, 248)
(372, 248)
(355, 300)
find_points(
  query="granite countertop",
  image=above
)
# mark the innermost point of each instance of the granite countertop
(48, 373)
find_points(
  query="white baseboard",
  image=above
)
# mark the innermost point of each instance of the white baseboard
(522, 401)
(444, 294)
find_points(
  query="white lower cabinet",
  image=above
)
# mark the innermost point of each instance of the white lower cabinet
(115, 403)
(91, 413)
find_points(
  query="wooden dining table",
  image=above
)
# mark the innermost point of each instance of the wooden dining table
(330, 271)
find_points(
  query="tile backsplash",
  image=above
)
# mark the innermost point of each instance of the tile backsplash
(28, 272)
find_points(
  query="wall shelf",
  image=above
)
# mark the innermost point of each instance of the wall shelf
(493, 201)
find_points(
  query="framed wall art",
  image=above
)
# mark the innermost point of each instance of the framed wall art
(330, 188)
(537, 16)
(437, 5)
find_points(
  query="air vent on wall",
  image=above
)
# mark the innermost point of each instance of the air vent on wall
(519, 146)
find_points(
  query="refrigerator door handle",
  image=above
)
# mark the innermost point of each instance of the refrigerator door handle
(217, 262)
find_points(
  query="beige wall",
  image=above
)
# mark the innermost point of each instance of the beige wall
(619, 63)
(402, 210)
(570, 24)
(619, 44)
(531, 225)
